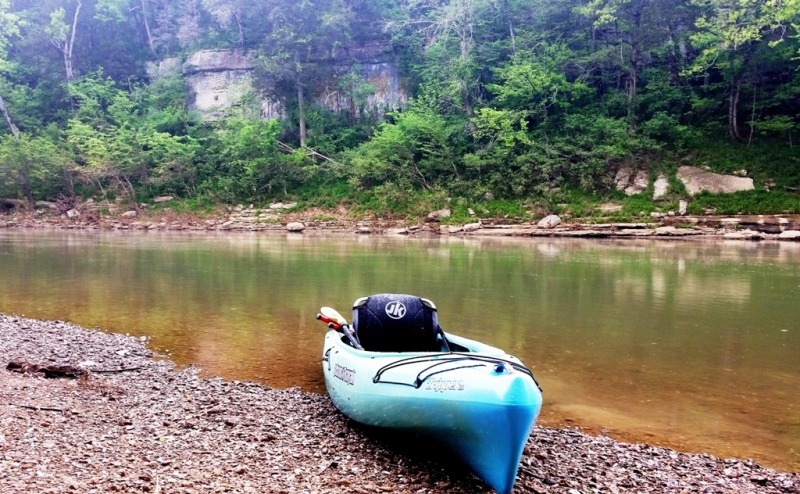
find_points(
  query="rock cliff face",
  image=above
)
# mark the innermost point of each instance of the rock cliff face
(217, 80)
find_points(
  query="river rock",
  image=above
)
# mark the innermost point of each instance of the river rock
(471, 227)
(671, 231)
(660, 187)
(129, 214)
(295, 227)
(281, 205)
(790, 235)
(438, 215)
(548, 222)
(697, 180)
(746, 234)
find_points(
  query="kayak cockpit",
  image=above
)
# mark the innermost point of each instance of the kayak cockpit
(389, 322)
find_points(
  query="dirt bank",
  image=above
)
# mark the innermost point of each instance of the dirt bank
(155, 428)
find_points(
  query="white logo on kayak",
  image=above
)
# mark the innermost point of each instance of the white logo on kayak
(442, 385)
(343, 373)
(395, 310)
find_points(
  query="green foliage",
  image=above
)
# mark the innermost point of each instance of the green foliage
(748, 202)
(116, 147)
(251, 166)
(418, 150)
(31, 167)
(522, 99)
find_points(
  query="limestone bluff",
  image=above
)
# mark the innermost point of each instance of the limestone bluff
(218, 80)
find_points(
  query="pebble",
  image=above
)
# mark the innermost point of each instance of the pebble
(169, 430)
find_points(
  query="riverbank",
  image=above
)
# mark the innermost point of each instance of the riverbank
(155, 428)
(783, 227)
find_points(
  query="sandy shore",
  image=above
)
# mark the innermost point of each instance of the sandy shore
(156, 428)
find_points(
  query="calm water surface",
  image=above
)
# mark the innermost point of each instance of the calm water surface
(692, 345)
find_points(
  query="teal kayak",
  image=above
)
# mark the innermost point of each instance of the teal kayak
(473, 398)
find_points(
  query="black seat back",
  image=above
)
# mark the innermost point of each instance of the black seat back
(389, 322)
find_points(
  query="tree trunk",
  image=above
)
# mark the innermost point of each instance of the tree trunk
(70, 44)
(7, 116)
(301, 112)
(733, 109)
(511, 36)
(150, 42)
(238, 18)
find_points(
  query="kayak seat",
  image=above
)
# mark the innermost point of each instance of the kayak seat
(389, 322)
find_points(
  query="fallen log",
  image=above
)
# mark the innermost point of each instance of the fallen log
(56, 371)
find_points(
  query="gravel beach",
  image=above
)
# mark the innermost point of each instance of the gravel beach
(154, 428)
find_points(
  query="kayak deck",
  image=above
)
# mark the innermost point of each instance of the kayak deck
(478, 401)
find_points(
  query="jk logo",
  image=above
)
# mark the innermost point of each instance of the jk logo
(395, 310)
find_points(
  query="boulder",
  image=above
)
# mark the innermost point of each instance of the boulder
(682, 206)
(697, 180)
(630, 181)
(295, 227)
(73, 213)
(129, 214)
(548, 222)
(438, 215)
(660, 187)
(159, 200)
(282, 205)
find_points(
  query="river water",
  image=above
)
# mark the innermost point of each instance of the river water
(693, 345)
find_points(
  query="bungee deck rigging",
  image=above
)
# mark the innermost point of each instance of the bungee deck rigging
(447, 358)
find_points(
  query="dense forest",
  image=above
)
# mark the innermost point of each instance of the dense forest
(514, 104)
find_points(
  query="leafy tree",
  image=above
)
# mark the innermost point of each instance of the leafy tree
(730, 33)
(447, 29)
(61, 32)
(30, 166)
(250, 164)
(419, 149)
(9, 27)
(120, 10)
(304, 35)
(227, 13)
(116, 147)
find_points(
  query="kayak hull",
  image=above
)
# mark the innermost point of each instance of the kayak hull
(478, 403)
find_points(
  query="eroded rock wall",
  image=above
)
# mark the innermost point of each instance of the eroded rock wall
(218, 80)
